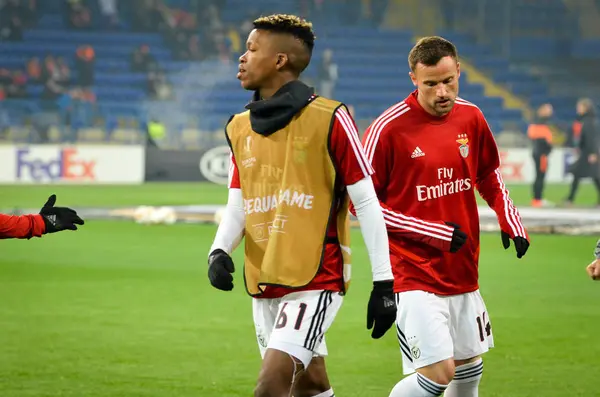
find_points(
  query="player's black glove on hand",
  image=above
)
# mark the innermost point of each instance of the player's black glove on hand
(521, 243)
(382, 308)
(59, 218)
(220, 267)
(458, 237)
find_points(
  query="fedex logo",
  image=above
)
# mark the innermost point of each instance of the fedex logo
(511, 170)
(67, 166)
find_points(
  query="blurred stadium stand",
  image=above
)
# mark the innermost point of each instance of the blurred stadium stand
(541, 50)
(517, 54)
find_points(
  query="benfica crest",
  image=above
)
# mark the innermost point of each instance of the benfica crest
(463, 143)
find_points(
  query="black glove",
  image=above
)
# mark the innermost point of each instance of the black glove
(59, 218)
(220, 267)
(459, 238)
(521, 243)
(382, 308)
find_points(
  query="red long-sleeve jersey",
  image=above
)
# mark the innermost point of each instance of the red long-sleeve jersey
(24, 226)
(426, 171)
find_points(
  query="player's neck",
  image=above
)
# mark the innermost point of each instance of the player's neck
(270, 89)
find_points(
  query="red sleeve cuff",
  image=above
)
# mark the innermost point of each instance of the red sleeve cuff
(39, 226)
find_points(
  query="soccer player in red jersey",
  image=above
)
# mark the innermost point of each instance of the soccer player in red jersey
(51, 219)
(430, 152)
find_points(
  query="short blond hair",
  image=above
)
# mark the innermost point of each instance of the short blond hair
(290, 24)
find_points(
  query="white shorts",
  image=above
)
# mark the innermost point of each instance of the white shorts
(296, 323)
(432, 328)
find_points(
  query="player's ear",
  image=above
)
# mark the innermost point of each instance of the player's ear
(282, 60)
(458, 69)
(413, 78)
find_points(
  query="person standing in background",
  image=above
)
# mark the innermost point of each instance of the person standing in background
(541, 138)
(588, 148)
(328, 74)
(574, 132)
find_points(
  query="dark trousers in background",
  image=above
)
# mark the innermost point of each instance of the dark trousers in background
(575, 186)
(541, 166)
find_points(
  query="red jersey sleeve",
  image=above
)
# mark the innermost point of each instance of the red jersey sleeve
(490, 185)
(24, 226)
(234, 175)
(347, 151)
(379, 152)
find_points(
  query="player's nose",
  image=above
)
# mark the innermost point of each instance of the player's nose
(441, 91)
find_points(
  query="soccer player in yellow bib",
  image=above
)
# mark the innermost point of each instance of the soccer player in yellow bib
(296, 163)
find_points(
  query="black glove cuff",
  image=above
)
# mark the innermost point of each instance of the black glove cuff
(217, 252)
(49, 226)
(214, 254)
(386, 285)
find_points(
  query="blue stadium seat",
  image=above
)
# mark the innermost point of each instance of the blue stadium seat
(586, 49)
(78, 37)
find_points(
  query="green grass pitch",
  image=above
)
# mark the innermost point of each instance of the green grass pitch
(119, 309)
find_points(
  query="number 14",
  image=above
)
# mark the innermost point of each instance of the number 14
(483, 325)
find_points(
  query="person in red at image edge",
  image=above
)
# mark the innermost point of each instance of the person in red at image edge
(430, 152)
(51, 219)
